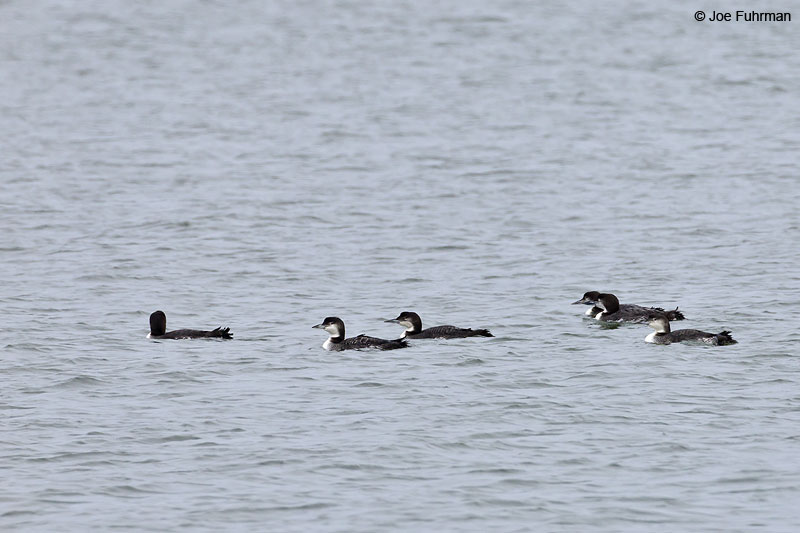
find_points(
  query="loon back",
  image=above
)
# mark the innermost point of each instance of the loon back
(639, 314)
(629, 313)
(722, 338)
(448, 332)
(672, 315)
(365, 341)
(220, 333)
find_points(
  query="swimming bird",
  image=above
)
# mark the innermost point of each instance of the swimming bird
(663, 334)
(158, 330)
(413, 324)
(606, 307)
(336, 342)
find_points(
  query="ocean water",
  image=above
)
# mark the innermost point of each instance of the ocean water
(263, 165)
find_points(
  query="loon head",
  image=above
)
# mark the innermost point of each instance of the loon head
(332, 325)
(608, 302)
(158, 323)
(660, 324)
(409, 320)
(589, 298)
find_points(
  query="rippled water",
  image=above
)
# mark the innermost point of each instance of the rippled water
(263, 165)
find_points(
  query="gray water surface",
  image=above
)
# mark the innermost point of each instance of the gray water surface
(263, 165)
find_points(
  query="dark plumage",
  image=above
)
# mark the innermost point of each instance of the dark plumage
(365, 341)
(158, 330)
(337, 341)
(664, 335)
(413, 325)
(617, 312)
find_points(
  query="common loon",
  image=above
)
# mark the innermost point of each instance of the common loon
(158, 330)
(663, 334)
(413, 324)
(337, 342)
(610, 310)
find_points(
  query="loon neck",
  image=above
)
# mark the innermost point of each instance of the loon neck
(410, 331)
(664, 328)
(609, 303)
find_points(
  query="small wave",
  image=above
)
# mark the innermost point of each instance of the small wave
(176, 438)
(4, 407)
(122, 490)
(21, 512)
(302, 507)
(78, 381)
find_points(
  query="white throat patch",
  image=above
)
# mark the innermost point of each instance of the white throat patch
(659, 327)
(406, 324)
(333, 329)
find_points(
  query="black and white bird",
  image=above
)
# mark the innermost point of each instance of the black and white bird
(337, 342)
(413, 324)
(664, 335)
(606, 307)
(158, 330)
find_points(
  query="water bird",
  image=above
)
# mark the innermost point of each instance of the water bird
(606, 307)
(158, 330)
(413, 324)
(337, 341)
(664, 335)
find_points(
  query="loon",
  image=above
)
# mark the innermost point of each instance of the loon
(606, 307)
(663, 335)
(413, 325)
(337, 342)
(158, 330)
